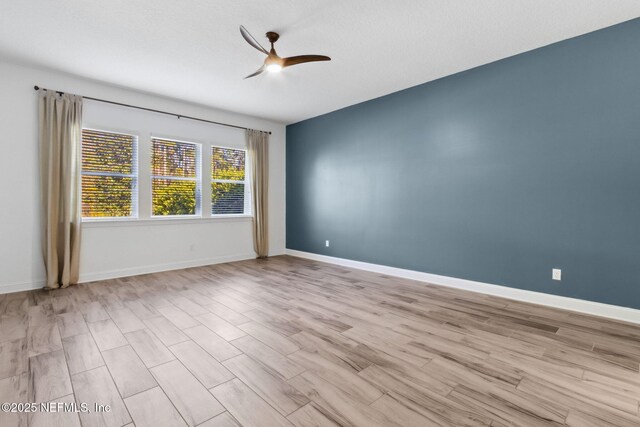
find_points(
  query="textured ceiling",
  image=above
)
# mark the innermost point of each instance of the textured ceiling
(192, 50)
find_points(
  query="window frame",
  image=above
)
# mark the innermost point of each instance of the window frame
(142, 187)
(135, 167)
(198, 179)
(247, 210)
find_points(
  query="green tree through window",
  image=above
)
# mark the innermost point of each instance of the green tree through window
(109, 174)
(175, 177)
(228, 178)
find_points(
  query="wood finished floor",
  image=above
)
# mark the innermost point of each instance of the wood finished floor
(293, 342)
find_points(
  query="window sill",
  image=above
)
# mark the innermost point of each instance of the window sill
(130, 222)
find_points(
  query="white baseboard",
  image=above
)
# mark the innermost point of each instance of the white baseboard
(157, 268)
(582, 306)
(126, 272)
(10, 288)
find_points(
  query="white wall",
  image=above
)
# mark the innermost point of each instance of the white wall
(118, 249)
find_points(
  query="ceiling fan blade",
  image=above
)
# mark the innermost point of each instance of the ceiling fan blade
(252, 41)
(258, 71)
(295, 60)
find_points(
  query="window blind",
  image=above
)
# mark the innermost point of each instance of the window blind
(175, 177)
(109, 174)
(228, 181)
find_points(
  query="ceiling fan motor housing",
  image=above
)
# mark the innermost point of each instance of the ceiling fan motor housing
(273, 37)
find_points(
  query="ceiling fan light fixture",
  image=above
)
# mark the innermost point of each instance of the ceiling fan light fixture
(274, 68)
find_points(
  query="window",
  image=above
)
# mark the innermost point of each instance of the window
(111, 178)
(175, 177)
(109, 174)
(228, 182)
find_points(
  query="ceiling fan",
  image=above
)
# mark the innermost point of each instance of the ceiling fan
(273, 63)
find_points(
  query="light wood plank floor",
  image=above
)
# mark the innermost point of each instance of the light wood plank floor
(286, 341)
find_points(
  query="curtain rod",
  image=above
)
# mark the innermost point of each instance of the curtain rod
(180, 116)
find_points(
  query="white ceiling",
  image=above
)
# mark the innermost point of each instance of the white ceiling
(192, 50)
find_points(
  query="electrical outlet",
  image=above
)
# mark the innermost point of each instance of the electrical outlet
(556, 274)
(326, 243)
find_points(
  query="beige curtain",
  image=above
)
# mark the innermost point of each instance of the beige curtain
(60, 121)
(257, 142)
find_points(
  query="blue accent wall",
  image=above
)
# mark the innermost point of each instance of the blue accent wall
(497, 174)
